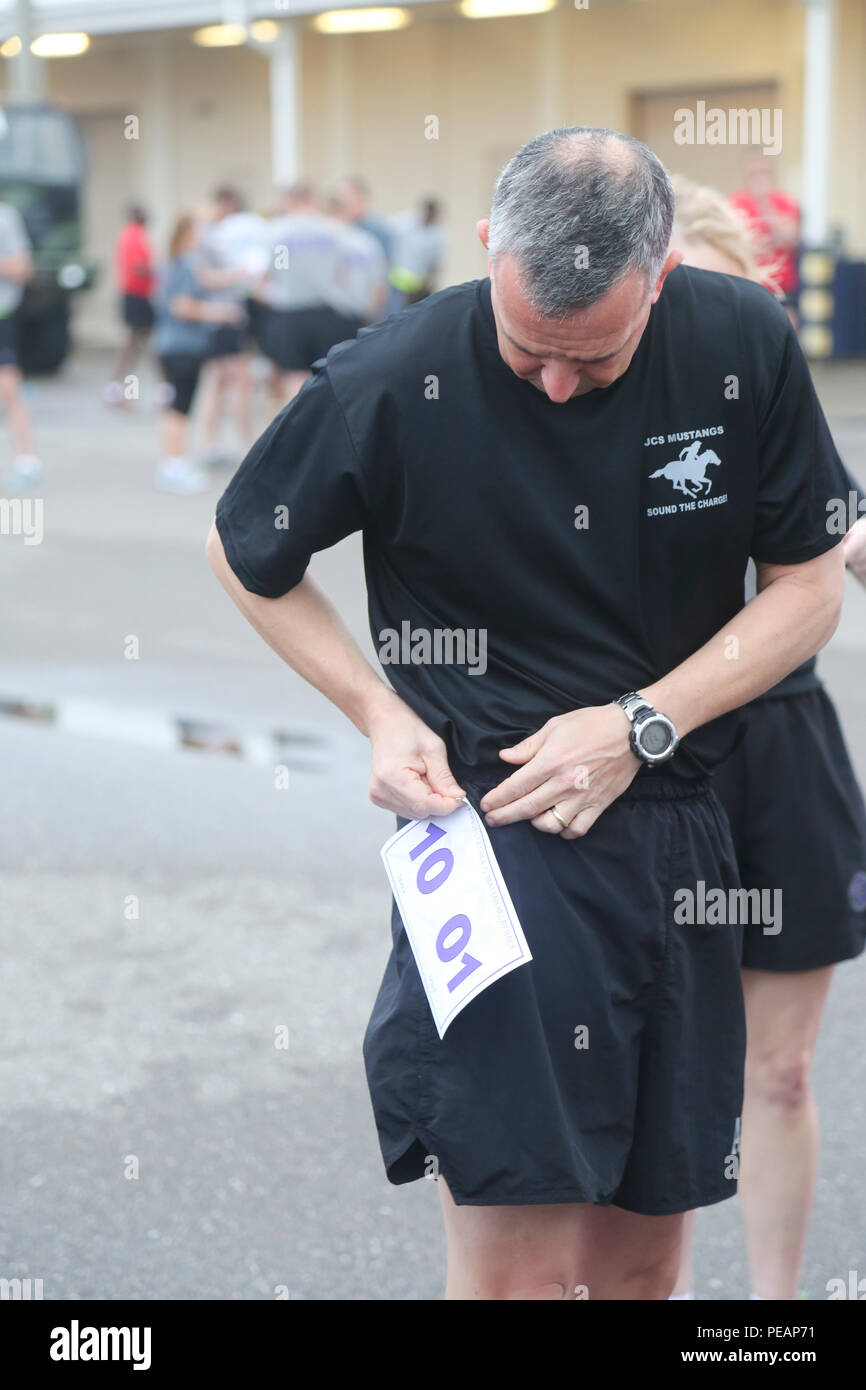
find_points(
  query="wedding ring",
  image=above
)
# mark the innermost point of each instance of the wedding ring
(563, 823)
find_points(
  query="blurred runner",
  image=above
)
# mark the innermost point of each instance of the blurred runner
(417, 248)
(362, 287)
(187, 321)
(133, 260)
(772, 218)
(15, 271)
(304, 289)
(799, 825)
(232, 259)
(353, 194)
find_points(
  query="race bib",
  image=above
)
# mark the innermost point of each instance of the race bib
(456, 909)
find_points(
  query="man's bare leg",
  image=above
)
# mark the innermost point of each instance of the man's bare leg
(290, 385)
(685, 1278)
(780, 1122)
(16, 410)
(550, 1251)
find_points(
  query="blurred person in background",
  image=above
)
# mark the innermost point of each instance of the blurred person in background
(353, 194)
(799, 825)
(232, 259)
(772, 219)
(362, 290)
(417, 248)
(187, 319)
(133, 262)
(303, 289)
(15, 270)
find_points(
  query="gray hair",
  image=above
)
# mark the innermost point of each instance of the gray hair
(577, 209)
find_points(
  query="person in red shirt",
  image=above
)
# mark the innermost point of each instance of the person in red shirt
(773, 221)
(133, 260)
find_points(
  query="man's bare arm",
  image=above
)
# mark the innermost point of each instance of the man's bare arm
(794, 614)
(409, 769)
(581, 762)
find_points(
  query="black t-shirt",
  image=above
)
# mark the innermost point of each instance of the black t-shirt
(586, 548)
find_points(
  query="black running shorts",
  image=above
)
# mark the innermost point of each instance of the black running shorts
(9, 340)
(182, 371)
(799, 825)
(609, 1069)
(137, 312)
(296, 338)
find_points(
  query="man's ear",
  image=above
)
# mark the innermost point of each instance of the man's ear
(673, 260)
(483, 230)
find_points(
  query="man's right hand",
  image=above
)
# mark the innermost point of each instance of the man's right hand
(409, 772)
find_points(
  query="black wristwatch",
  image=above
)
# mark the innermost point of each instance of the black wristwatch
(652, 736)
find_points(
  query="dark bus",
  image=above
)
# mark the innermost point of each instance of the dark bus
(42, 168)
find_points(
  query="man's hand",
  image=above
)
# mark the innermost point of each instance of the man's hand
(409, 772)
(578, 762)
(854, 549)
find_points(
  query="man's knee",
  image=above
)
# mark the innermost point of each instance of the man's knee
(654, 1278)
(521, 1282)
(781, 1078)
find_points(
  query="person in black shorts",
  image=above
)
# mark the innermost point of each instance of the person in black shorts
(547, 457)
(16, 268)
(303, 289)
(187, 322)
(133, 257)
(231, 259)
(799, 827)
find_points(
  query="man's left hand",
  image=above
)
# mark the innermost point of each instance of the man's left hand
(578, 762)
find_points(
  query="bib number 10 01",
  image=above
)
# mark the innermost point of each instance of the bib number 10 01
(454, 935)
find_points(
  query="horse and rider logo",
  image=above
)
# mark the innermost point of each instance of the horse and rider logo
(688, 473)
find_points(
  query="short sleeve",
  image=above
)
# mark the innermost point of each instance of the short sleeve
(299, 490)
(799, 470)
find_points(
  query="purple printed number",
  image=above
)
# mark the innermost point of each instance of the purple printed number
(434, 833)
(459, 924)
(442, 861)
(443, 858)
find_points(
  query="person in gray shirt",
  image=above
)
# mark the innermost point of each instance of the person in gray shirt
(362, 283)
(304, 289)
(15, 271)
(186, 323)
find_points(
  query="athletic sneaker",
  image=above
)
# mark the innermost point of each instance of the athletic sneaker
(26, 474)
(179, 475)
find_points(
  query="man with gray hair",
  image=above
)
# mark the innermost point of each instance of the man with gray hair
(578, 455)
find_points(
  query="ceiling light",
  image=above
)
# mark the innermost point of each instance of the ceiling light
(360, 21)
(60, 45)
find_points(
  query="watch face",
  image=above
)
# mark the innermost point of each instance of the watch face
(654, 736)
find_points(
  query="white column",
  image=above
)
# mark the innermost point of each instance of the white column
(157, 118)
(818, 41)
(285, 65)
(28, 78)
(548, 52)
(337, 78)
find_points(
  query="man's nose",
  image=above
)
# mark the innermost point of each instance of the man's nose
(560, 381)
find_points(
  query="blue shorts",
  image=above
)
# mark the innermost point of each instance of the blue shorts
(609, 1069)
